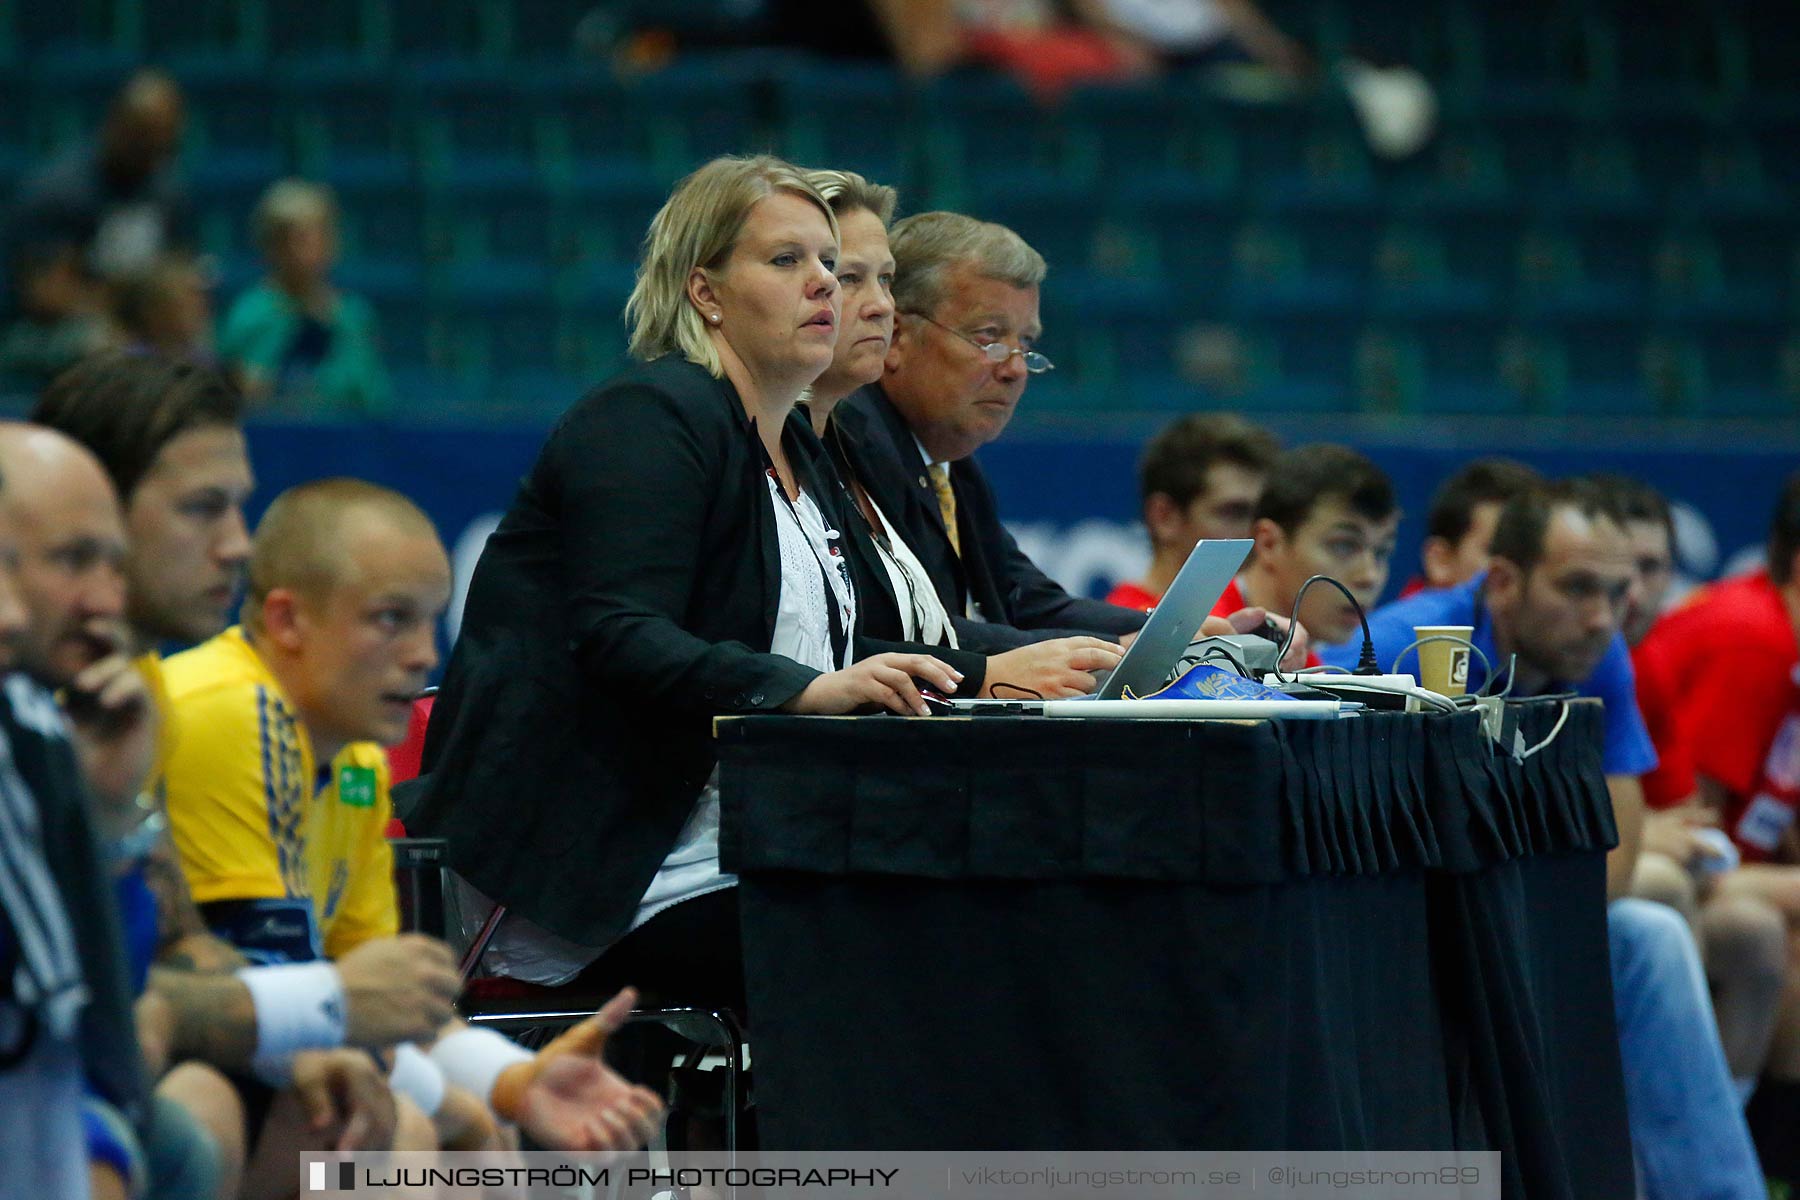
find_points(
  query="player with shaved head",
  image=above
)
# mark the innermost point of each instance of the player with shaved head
(278, 787)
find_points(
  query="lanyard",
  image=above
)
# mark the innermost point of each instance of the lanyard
(840, 620)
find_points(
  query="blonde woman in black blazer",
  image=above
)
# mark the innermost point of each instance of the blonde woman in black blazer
(675, 527)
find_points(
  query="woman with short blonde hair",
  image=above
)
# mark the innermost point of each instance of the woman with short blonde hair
(672, 556)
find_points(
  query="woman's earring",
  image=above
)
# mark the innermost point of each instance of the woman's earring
(715, 318)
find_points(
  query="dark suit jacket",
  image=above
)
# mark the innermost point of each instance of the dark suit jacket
(1007, 588)
(627, 598)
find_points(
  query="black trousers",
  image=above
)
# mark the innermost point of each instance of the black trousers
(688, 955)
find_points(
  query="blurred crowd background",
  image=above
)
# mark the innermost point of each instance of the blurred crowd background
(1433, 229)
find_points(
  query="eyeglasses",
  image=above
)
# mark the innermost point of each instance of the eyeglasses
(997, 352)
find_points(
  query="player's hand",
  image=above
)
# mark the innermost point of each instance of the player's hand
(463, 1122)
(1056, 670)
(885, 680)
(115, 726)
(1671, 833)
(398, 989)
(345, 1089)
(567, 1098)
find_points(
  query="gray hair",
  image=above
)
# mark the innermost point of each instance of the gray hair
(927, 246)
(699, 226)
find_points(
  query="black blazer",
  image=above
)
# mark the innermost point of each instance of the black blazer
(1018, 602)
(628, 597)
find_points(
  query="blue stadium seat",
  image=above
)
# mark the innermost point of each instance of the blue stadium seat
(606, 216)
(444, 30)
(546, 29)
(1750, 371)
(1192, 226)
(984, 125)
(344, 112)
(295, 29)
(228, 28)
(71, 88)
(233, 107)
(1118, 134)
(1316, 349)
(497, 219)
(593, 318)
(382, 220)
(475, 120)
(1603, 359)
(224, 214)
(599, 125)
(701, 107)
(849, 116)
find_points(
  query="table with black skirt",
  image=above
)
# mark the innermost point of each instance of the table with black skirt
(1026, 933)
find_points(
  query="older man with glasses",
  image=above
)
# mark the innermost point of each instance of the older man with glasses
(965, 345)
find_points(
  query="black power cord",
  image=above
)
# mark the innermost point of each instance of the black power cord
(1365, 661)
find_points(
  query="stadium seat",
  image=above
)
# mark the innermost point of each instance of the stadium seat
(382, 220)
(978, 125)
(1119, 134)
(1751, 371)
(474, 121)
(327, 29)
(607, 214)
(595, 124)
(473, 220)
(849, 116)
(345, 113)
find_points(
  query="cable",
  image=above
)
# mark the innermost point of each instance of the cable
(1486, 666)
(1512, 676)
(1365, 661)
(1561, 720)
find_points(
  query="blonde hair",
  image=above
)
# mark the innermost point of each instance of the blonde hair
(927, 246)
(848, 192)
(299, 541)
(288, 203)
(699, 226)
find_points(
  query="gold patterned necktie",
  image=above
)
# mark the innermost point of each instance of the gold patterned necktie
(946, 498)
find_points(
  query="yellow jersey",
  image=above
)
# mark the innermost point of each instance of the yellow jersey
(281, 855)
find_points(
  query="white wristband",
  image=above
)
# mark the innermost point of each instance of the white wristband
(299, 1006)
(417, 1078)
(474, 1058)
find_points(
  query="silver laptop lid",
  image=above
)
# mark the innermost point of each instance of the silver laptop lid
(1202, 579)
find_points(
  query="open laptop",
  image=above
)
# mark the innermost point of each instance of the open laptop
(1174, 621)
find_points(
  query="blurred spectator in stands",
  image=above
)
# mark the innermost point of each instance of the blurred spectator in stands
(61, 316)
(1325, 510)
(1040, 42)
(294, 338)
(1200, 478)
(1554, 600)
(1460, 522)
(118, 200)
(1650, 524)
(166, 309)
(1186, 33)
